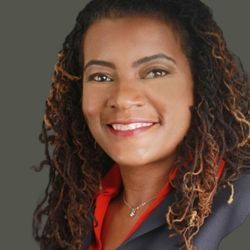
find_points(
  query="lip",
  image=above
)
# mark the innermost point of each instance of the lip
(133, 132)
(128, 121)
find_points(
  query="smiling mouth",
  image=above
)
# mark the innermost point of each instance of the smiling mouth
(130, 126)
(130, 129)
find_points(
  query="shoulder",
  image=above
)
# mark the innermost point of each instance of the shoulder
(240, 205)
(225, 217)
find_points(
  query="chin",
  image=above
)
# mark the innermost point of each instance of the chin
(128, 162)
(131, 161)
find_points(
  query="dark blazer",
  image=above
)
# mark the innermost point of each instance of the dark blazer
(153, 232)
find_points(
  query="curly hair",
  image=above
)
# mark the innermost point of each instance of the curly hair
(219, 130)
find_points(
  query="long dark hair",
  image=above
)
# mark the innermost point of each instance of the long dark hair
(220, 127)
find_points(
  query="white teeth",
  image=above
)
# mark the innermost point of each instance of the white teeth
(131, 126)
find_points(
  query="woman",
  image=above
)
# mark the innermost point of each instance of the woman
(147, 121)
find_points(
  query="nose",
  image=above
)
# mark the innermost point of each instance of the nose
(126, 95)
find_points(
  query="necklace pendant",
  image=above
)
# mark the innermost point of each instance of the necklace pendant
(132, 212)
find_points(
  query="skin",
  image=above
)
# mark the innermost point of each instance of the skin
(159, 90)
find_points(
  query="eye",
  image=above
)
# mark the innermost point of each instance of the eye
(156, 73)
(100, 77)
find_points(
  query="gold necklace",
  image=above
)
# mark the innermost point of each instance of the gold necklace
(133, 210)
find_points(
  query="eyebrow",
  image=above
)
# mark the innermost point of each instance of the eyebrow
(134, 64)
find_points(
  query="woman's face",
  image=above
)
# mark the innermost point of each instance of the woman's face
(137, 89)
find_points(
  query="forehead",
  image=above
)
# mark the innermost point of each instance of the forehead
(130, 34)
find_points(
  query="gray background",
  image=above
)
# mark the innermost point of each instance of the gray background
(31, 34)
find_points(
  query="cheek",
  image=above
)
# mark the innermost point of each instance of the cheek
(89, 105)
(88, 109)
(172, 95)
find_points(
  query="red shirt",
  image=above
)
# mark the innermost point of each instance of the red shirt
(111, 184)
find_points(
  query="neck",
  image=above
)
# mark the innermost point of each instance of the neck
(142, 183)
